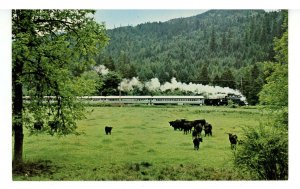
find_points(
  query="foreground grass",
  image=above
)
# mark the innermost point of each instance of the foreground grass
(142, 146)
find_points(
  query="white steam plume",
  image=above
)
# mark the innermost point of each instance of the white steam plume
(101, 69)
(129, 84)
(198, 88)
(154, 85)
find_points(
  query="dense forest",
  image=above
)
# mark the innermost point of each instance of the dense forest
(227, 48)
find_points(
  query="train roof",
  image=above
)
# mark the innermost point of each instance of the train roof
(143, 97)
(172, 97)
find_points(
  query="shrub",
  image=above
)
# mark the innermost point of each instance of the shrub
(264, 152)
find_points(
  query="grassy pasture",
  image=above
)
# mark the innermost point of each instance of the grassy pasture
(142, 146)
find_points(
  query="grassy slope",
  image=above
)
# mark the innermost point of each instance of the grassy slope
(142, 146)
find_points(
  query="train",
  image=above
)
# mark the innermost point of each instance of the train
(150, 100)
(216, 100)
(219, 100)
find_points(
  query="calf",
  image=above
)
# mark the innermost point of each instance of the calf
(108, 130)
(196, 142)
(233, 140)
(208, 129)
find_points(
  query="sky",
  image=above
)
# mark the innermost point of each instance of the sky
(117, 18)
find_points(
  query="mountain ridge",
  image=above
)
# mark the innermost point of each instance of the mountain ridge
(181, 47)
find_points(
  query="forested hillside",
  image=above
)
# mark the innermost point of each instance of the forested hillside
(219, 47)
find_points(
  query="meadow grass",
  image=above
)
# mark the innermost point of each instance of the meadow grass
(142, 146)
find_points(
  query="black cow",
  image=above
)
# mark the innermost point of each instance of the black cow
(208, 129)
(175, 124)
(195, 134)
(198, 128)
(201, 121)
(38, 125)
(187, 127)
(196, 142)
(233, 140)
(54, 125)
(108, 130)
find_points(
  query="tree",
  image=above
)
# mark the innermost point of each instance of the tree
(203, 77)
(216, 81)
(275, 92)
(224, 42)
(109, 63)
(255, 83)
(126, 69)
(48, 47)
(110, 84)
(281, 44)
(227, 79)
(212, 42)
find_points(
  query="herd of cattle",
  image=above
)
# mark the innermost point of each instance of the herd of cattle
(195, 127)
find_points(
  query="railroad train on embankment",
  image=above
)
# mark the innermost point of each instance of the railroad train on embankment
(177, 100)
(219, 100)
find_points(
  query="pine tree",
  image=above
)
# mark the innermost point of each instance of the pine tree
(212, 42)
(203, 77)
(227, 79)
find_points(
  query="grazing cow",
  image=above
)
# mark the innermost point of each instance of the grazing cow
(198, 128)
(108, 130)
(208, 129)
(187, 127)
(196, 142)
(175, 124)
(233, 140)
(54, 125)
(201, 121)
(195, 134)
(38, 125)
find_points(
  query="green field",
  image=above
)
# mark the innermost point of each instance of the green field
(142, 146)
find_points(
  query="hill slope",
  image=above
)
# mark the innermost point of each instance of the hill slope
(186, 48)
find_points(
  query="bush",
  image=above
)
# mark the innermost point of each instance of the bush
(264, 152)
(231, 104)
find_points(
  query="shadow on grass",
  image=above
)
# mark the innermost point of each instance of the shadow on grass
(35, 168)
